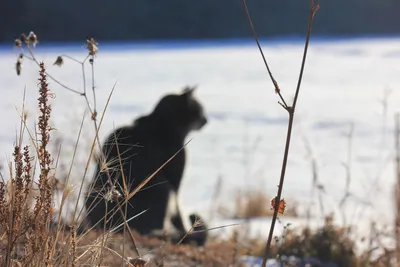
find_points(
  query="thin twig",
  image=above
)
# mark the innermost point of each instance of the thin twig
(289, 109)
(67, 183)
(313, 11)
(82, 63)
(33, 58)
(92, 150)
(277, 89)
(316, 185)
(347, 167)
(93, 89)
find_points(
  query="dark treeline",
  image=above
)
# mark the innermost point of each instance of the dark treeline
(72, 20)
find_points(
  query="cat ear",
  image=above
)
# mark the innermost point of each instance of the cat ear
(188, 91)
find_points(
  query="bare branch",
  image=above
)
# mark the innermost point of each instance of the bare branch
(277, 89)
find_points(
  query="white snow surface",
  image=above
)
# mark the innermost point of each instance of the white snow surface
(344, 82)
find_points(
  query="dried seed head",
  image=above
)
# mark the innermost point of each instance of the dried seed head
(59, 61)
(17, 43)
(92, 46)
(23, 38)
(42, 209)
(113, 194)
(18, 68)
(198, 223)
(32, 38)
(18, 65)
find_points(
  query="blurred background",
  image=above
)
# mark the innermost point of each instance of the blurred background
(342, 153)
(177, 19)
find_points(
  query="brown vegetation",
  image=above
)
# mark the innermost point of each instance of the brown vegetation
(29, 236)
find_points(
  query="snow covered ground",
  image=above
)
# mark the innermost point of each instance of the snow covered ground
(344, 82)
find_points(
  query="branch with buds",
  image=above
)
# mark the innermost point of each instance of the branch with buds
(290, 109)
(28, 43)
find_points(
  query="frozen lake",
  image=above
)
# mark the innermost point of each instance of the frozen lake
(344, 82)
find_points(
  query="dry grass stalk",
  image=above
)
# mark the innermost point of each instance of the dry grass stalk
(397, 188)
(252, 204)
(25, 231)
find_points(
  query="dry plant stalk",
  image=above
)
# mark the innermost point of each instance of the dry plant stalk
(25, 226)
(251, 204)
(40, 241)
(397, 187)
(41, 247)
(29, 42)
(290, 109)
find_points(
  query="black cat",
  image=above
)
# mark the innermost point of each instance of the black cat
(142, 148)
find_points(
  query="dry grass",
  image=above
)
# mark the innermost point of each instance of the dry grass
(255, 203)
(33, 234)
(26, 210)
(329, 243)
(30, 236)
